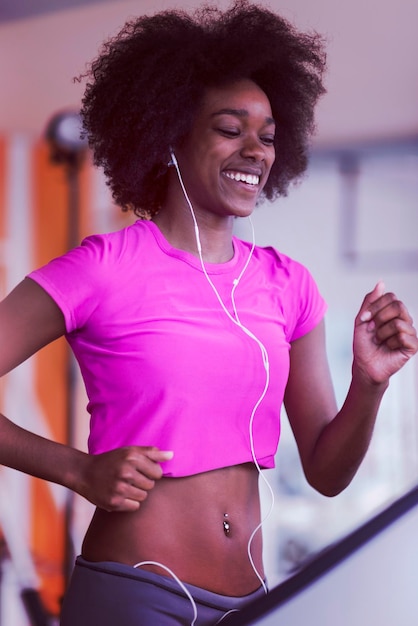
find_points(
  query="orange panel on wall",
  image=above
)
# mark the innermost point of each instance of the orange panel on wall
(52, 215)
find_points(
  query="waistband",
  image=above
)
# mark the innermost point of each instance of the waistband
(201, 596)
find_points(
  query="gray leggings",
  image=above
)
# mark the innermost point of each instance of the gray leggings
(112, 594)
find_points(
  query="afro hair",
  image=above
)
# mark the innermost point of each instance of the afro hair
(146, 85)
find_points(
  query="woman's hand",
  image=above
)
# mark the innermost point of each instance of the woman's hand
(384, 336)
(120, 480)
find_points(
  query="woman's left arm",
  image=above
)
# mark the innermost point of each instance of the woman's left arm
(332, 443)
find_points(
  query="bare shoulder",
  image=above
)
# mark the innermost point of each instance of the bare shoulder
(29, 319)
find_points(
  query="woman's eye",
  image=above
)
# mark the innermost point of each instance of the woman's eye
(229, 132)
(268, 140)
(233, 133)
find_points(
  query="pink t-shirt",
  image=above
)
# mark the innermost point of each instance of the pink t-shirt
(162, 363)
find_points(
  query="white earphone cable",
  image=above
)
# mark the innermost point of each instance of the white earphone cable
(235, 319)
(178, 581)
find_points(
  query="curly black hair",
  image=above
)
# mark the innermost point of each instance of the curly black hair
(148, 81)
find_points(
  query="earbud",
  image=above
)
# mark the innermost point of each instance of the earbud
(173, 160)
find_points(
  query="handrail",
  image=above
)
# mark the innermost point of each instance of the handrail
(324, 561)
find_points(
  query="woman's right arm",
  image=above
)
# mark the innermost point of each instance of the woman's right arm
(116, 480)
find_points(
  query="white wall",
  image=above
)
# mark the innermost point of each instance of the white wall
(376, 585)
(372, 79)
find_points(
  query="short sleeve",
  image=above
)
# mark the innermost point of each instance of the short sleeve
(308, 307)
(76, 280)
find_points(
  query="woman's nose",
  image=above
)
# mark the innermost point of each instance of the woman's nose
(253, 149)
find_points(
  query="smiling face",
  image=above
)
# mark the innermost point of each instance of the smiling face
(226, 159)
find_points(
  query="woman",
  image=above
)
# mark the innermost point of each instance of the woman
(188, 339)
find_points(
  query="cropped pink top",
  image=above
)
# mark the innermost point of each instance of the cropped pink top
(162, 362)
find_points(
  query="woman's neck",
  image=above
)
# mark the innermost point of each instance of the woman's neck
(215, 234)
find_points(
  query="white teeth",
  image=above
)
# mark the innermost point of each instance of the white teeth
(250, 179)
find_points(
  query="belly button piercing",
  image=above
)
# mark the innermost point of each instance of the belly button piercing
(226, 525)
